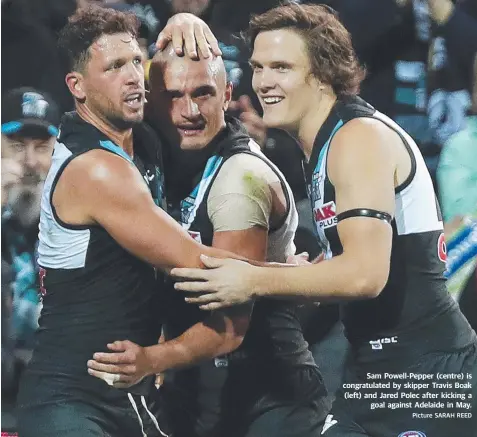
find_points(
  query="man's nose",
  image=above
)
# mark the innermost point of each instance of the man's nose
(190, 108)
(134, 74)
(265, 80)
(30, 158)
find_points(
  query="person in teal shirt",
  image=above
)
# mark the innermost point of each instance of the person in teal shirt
(457, 173)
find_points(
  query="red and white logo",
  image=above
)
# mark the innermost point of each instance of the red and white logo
(196, 236)
(42, 274)
(441, 248)
(325, 216)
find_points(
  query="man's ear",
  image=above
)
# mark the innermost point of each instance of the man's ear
(74, 81)
(229, 89)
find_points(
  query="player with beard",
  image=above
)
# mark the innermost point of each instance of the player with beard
(259, 378)
(102, 233)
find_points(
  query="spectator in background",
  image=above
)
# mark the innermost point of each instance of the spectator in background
(457, 172)
(457, 178)
(449, 69)
(29, 127)
(458, 24)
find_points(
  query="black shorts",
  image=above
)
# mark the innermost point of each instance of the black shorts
(250, 408)
(426, 410)
(47, 407)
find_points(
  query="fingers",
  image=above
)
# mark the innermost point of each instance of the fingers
(123, 369)
(212, 41)
(193, 274)
(201, 41)
(214, 306)
(212, 263)
(177, 41)
(255, 126)
(246, 103)
(115, 380)
(12, 172)
(234, 105)
(191, 35)
(194, 287)
(188, 32)
(114, 358)
(202, 300)
(253, 118)
(162, 41)
(118, 346)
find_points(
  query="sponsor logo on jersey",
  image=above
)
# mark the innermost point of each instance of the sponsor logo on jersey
(329, 422)
(412, 434)
(378, 344)
(441, 248)
(315, 187)
(325, 215)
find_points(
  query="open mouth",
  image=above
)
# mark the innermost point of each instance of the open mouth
(189, 131)
(272, 100)
(134, 100)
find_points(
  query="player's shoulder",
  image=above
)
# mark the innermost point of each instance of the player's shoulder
(246, 166)
(99, 174)
(362, 139)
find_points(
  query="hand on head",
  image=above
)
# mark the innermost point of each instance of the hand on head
(189, 32)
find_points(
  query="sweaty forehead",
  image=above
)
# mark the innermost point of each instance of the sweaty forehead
(111, 45)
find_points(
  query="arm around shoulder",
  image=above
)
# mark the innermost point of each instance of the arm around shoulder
(112, 194)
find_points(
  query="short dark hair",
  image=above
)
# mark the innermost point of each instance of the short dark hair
(88, 25)
(332, 57)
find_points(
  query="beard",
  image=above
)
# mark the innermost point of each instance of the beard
(25, 201)
(110, 113)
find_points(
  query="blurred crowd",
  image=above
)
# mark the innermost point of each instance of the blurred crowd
(421, 63)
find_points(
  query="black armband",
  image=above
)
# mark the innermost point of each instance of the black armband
(365, 212)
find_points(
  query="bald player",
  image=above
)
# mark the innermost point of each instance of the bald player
(101, 235)
(252, 375)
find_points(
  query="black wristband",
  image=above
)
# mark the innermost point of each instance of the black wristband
(365, 212)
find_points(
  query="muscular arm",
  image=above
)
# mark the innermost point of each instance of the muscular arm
(102, 188)
(223, 331)
(362, 169)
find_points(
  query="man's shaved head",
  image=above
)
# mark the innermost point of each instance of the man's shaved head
(163, 59)
(188, 97)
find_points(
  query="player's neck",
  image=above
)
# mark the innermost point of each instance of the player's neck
(122, 138)
(313, 120)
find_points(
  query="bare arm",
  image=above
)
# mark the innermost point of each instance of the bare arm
(109, 191)
(361, 165)
(362, 172)
(223, 331)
